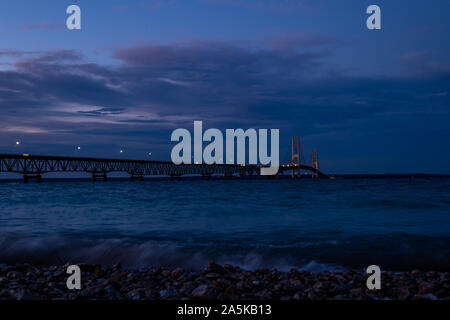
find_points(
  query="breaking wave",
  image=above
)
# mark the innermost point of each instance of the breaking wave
(132, 253)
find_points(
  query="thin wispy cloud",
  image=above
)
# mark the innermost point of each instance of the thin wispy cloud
(43, 25)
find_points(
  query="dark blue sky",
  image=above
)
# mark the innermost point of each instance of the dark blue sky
(369, 101)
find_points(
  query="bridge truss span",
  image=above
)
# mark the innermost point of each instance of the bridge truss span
(35, 166)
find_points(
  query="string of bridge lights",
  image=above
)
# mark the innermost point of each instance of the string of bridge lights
(78, 148)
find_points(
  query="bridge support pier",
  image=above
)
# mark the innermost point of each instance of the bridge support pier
(98, 175)
(27, 177)
(133, 176)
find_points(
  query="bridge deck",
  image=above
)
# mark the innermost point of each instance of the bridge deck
(36, 165)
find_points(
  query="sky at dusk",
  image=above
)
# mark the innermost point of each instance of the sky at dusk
(370, 101)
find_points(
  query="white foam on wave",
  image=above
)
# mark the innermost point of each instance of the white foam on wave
(57, 249)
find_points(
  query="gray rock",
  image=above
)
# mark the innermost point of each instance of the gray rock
(426, 287)
(203, 292)
(264, 294)
(401, 293)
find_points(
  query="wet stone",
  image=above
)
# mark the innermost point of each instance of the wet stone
(29, 282)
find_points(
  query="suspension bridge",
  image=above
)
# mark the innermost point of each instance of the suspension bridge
(35, 166)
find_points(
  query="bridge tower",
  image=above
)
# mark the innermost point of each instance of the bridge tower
(315, 163)
(296, 157)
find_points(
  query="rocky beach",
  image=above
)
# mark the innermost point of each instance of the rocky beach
(28, 282)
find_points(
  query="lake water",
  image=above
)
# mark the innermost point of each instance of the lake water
(396, 223)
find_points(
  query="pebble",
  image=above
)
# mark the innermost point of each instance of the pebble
(28, 282)
(203, 292)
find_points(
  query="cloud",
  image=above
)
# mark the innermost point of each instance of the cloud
(103, 111)
(44, 59)
(18, 129)
(16, 53)
(425, 63)
(58, 96)
(300, 41)
(43, 25)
